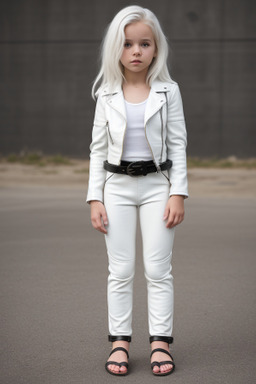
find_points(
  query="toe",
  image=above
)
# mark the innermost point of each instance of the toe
(162, 368)
(114, 369)
(123, 369)
(166, 368)
(156, 369)
(117, 369)
(111, 367)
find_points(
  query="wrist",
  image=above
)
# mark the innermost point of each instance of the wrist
(178, 196)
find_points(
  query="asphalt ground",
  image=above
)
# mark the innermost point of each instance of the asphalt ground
(53, 292)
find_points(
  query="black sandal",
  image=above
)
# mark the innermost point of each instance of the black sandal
(162, 363)
(123, 363)
(168, 340)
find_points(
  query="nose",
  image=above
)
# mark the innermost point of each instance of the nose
(137, 50)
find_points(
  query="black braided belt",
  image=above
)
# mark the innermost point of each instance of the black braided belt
(136, 168)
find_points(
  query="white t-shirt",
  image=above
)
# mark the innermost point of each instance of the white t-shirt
(135, 145)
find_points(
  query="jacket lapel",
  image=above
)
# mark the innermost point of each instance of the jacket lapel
(116, 101)
(155, 102)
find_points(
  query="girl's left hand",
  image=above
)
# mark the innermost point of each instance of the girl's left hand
(174, 211)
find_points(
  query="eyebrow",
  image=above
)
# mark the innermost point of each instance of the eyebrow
(146, 39)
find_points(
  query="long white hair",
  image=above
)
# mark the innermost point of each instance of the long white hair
(111, 71)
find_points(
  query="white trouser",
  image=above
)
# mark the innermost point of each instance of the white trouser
(123, 197)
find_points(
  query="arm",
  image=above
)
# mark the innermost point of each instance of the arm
(176, 141)
(98, 153)
(176, 151)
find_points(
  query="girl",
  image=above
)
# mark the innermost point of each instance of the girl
(138, 165)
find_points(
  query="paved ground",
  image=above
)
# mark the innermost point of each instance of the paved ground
(53, 288)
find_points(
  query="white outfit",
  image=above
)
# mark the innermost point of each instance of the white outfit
(124, 196)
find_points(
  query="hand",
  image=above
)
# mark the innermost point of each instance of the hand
(174, 211)
(99, 217)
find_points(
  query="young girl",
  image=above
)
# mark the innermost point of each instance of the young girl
(138, 166)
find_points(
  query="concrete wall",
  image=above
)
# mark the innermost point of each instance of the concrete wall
(48, 60)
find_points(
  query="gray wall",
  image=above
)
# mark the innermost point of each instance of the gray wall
(49, 58)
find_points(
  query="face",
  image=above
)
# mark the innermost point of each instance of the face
(139, 48)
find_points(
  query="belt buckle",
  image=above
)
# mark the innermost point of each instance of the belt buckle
(135, 166)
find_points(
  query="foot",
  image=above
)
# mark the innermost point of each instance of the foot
(160, 356)
(119, 356)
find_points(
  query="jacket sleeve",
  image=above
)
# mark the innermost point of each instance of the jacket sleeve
(98, 153)
(176, 144)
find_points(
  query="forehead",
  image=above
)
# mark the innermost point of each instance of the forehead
(138, 30)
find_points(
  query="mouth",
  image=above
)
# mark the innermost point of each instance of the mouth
(136, 62)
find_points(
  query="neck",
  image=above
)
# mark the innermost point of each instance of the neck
(135, 79)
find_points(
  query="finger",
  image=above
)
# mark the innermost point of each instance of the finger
(97, 223)
(180, 218)
(105, 218)
(174, 223)
(170, 220)
(104, 222)
(100, 227)
(177, 220)
(166, 213)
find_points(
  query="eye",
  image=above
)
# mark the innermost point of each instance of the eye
(145, 44)
(127, 45)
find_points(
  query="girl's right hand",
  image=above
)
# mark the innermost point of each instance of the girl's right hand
(99, 217)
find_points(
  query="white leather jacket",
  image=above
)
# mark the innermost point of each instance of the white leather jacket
(165, 132)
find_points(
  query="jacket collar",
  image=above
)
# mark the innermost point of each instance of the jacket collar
(155, 101)
(157, 86)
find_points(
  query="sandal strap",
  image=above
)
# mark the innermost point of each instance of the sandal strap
(122, 364)
(161, 350)
(162, 363)
(119, 337)
(166, 339)
(119, 349)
